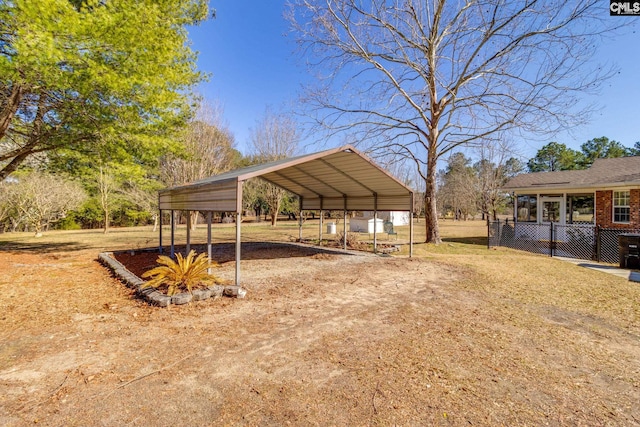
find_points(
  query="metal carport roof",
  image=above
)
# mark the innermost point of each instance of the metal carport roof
(336, 179)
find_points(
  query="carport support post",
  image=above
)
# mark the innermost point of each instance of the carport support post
(209, 240)
(172, 253)
(238, 243)
(344, 232)
(300, 222)
(188, 232)
(320, 222)
(375, 223)
(160, 231)
(411, 226)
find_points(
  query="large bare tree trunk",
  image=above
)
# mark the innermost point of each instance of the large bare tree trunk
(194, 219)
(432, 227)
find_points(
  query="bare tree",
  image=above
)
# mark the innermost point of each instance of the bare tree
(274, 137)
(145, 198)
(107, 188)
(6, 207)
(496, 165)
(420, 78)
(458, 189)
(39, 199)
(207, 149)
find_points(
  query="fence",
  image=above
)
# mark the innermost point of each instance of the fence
(582, 241)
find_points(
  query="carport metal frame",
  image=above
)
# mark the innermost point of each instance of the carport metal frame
(337, 179)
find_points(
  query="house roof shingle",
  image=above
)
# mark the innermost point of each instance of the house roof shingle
(603, 173)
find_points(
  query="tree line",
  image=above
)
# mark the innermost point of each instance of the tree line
(100, 93)
(97, 112)
(556, 156)
(75, 193)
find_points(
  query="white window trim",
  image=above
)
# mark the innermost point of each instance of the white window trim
(614, 206)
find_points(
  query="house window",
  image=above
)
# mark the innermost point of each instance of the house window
(621, 208)
(580, 209)
(527, 208)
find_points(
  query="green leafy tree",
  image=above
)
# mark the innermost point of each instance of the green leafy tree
(94, 76)
(602, 147)
(555, 157)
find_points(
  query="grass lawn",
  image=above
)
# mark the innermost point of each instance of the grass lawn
(457, 335)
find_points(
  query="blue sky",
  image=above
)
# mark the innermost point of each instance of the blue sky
(251, 60)
(251, 56)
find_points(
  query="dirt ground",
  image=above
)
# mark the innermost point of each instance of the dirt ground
(321, 339)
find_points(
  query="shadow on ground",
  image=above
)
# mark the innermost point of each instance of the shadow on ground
(226, 252)
(41, 247)
(481, 240)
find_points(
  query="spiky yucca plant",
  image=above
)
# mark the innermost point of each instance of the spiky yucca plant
(183, 273)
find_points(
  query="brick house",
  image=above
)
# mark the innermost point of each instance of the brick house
(606, 195)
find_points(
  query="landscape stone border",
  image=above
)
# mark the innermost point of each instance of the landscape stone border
(157, 298)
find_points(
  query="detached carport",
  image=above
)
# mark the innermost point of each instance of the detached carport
(336, 179)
